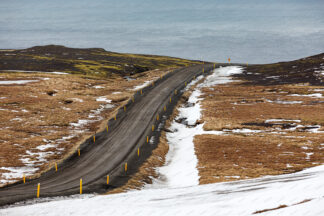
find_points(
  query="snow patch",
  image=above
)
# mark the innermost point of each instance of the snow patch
(315, 95)
(24, 71)
(103, 99)
(44, 147)
(281, 120)
(243, 130)
(16, 172)
(77, 99)
(146, 83)
(98, 87)
(284, 102)
(18, 82)
(80, 123)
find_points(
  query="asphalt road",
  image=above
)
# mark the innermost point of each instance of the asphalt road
(110, 152)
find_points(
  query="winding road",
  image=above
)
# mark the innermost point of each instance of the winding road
(112, 149)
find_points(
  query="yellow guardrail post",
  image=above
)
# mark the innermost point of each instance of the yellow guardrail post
(81, 186)
(126, 167)
(185, 83)
(147, 139)
(55, 167)
(115, 118)
(107, 179)
(107, 128)
(24, 178)
(170, 99)
(79, 153)
(38, 190)
(157, 117)
(152, 127)
(138, 152)
(94, 138)
(141, 91)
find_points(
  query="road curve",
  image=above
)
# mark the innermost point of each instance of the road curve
(109, 153)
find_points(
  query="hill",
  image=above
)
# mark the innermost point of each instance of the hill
(92, 61)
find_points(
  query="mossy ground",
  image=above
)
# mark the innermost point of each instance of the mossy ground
(94, 62)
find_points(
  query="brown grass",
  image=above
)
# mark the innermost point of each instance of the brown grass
(50, 107)
(233, 157)
(239, 156)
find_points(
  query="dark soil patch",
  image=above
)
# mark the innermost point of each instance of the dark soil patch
(305, 70)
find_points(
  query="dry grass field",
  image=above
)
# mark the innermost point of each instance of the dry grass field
(267, 130)
(45, 120)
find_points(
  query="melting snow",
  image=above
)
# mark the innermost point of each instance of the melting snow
(80, 123)
(146, 83)
(16, 119)
(103, 99)
(318, 90)
(308, 155)
(44, 147)
(281, 120)
(98, 87)
(315, 95)
(284, 102)
(16, 172)
(314, 129)
(19, 82)
(243, 130)
(24, 71)
(77, 99)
